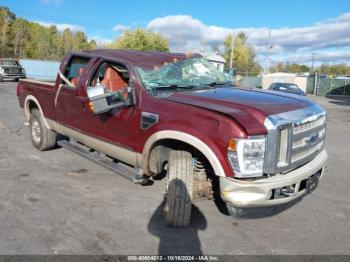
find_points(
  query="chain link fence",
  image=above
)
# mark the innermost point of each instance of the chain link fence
(324, 86)
(247, 79)
(328, 86)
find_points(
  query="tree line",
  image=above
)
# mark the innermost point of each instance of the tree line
(289, 68)
(324, 69)
(339, 69)
(20, 38)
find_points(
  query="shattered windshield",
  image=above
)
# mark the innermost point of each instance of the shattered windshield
(190, 73)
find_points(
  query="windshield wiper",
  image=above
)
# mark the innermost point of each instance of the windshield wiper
(174, 86)
(214, 83)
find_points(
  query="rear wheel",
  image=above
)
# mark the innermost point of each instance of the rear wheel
(42, 137)
(179, 189)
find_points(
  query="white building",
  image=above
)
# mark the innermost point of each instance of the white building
(217, 60)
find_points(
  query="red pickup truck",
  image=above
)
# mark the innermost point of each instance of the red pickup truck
(149, 115)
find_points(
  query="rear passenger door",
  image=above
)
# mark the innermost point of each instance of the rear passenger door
(68, 102)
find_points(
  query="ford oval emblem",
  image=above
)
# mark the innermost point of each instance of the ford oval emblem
(312, 138)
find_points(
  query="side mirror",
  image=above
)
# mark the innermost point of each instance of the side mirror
(102, 101)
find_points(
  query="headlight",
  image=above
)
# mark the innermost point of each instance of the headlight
(246, 156)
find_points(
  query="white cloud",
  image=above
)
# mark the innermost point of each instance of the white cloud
(100, 41)
(61, 27)
(51, 2)
(186, 33)
(118, 28)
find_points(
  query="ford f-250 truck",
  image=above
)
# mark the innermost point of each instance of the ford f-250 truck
(150, 115)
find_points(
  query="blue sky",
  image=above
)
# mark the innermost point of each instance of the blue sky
(298, 28)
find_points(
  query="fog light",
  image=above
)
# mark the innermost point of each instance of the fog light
(269, 195)
(283, 192)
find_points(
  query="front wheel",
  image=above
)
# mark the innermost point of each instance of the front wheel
(42, 137)
(179, 189)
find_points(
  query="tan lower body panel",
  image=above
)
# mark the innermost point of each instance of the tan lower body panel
(117, 152)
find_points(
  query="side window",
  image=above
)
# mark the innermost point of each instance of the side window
(75, 69)
(113, 77)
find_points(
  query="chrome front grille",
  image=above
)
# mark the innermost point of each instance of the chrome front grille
(307, 152)
(308, 138)
(14, 70)
(294, 138)
(308, 125)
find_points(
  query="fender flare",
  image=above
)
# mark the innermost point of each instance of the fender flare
(28, 99)
(187, 138)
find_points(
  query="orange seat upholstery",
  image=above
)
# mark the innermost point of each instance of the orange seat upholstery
(75, 80)
(113, 81)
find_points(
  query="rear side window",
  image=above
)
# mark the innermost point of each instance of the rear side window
(75, 68)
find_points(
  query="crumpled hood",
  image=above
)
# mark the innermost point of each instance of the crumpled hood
(249, 107)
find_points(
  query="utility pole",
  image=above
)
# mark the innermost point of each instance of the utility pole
(316, 75)
(313, 61)
(267, 69)
(315, 84)
(232, 46)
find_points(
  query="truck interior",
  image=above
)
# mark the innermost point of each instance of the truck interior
(75, 69)
(113, 77)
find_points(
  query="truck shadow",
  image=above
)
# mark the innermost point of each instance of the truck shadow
(177, 241)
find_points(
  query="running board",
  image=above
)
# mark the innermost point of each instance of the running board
(135, 175)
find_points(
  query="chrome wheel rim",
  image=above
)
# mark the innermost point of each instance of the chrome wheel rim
(36, 131)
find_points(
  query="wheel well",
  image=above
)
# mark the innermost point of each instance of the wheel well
(159, 153)
(32, 105)
(205, 182)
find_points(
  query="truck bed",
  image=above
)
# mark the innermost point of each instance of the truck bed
(42, 91)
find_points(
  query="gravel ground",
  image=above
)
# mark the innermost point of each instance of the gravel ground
(56, 202)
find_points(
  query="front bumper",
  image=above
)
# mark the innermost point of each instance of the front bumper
(255, 193)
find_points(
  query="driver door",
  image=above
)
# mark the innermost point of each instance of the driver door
(117, 129)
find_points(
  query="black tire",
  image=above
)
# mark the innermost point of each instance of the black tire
(42, 137)
(1, 79)
(179, 189)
